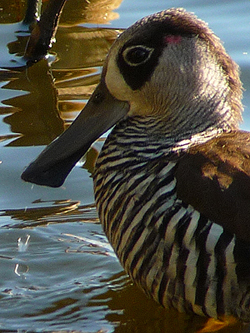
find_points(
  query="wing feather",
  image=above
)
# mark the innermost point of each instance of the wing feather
(214, 178)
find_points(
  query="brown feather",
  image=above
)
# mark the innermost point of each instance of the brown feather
(214, 178)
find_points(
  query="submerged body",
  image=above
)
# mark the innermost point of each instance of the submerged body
(172, 182)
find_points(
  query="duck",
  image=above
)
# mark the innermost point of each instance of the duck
(172, 181)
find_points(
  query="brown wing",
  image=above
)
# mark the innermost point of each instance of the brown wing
(214, 178)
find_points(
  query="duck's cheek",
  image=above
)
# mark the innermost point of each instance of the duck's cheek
(116, 83)
(121, 91)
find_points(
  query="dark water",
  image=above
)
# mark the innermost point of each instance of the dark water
(57, 271)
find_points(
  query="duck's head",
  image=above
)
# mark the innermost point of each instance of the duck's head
(169, 66)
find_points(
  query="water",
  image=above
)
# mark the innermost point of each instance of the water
(58, 273)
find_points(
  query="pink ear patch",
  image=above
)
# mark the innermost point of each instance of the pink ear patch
(172, 39)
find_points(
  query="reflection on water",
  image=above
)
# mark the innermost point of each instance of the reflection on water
(51, 277)
(12, 11)
(57, 92)
(58, 272)
(89, 11)
(75, 12)
(61, 211)
(42, 121)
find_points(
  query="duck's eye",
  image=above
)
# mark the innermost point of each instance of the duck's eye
(137, 55)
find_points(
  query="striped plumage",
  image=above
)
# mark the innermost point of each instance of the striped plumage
(176, 254)
(172, 182)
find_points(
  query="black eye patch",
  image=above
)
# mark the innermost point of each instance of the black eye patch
(137, 63)
(137, 55)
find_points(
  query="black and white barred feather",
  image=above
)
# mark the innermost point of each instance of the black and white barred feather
(173, 252)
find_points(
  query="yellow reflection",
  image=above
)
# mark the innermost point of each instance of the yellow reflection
(34, 114)
(79, 47)
(80, 54)
(89, 11)
(74, 12)
(215, 325)
(60, 211)
(12, 11)
(52, 95)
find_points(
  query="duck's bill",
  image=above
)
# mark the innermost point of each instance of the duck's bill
(56, 161)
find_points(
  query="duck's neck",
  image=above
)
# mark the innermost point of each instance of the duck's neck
(147, 138)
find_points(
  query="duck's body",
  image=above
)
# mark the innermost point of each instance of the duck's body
(173, 251)
(172, 182)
